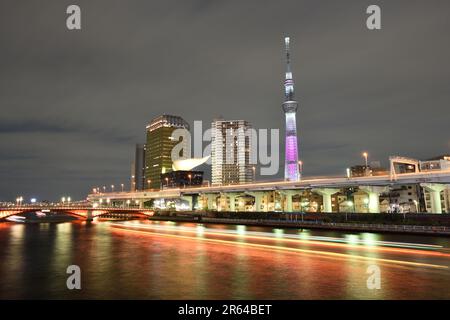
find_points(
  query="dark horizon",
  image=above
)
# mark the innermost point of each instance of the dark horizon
(75, 103)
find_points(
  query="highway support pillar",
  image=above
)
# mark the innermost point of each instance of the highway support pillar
(232, 196)
(189, 200)
(212, 201)
(326, 194)
(288, 195)
(374, 197)
(258, 195)
(435, 195)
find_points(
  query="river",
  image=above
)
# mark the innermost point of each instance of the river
(167, 260)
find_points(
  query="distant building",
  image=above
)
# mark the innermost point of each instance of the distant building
(360, 171)
(370, 170)
(437, 163)
(159, 147)
(138, 168)
(180, 179)
(402, 199)
(230, 152)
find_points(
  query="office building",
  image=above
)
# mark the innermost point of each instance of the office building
(158, 155)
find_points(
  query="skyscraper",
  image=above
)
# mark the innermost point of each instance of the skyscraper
(159, 147)
(230, 152)
(138, 169)
(291, 170)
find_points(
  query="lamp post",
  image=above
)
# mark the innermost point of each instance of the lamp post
(104, 189)
(112, 188)
(366, 169)
(167, 182)
(190, 179)
(348, 173)
(254, 173)
(148, 183)
(300, 166)
(122, 185)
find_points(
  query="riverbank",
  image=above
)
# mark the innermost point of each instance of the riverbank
(350, 226)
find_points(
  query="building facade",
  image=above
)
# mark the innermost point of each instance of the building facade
(158, 155)
(231, 144)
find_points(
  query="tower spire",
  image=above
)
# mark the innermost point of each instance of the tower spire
(288, 82)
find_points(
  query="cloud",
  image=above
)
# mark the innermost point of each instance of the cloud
(74, 103)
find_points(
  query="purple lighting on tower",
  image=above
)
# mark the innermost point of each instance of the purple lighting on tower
(291, 171)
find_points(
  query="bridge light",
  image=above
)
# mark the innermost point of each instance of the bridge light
(33, 200)
(68, 199)
(63, 199)
(108, 200)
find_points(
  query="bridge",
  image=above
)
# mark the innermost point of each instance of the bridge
(433, 181)
(85, 212)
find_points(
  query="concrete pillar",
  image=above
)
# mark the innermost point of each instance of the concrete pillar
(288, 195)
(435, 195)
(326, 194)
(258, 195)
(211, 200)
(189, 200)
(374, 197)
(232, 197)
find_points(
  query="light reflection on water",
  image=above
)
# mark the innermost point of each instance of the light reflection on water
(123, 264)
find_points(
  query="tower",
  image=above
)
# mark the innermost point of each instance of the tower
(291, 170)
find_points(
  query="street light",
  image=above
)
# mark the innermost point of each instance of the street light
(112, 188)
(63, 199)
(254, 173)
(122, 185)
(190, 179)
(348, 173)
(365, 155)
(300, 166)
(148, 183)
(167, 182)
(128, 202)
(104, 189)
(68, 199)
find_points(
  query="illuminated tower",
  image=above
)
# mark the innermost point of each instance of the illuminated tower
(291, 170)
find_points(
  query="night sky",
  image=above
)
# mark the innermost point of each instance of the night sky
(74, 103)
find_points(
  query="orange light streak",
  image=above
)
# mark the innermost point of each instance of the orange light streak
(288, 249)
(319, 243)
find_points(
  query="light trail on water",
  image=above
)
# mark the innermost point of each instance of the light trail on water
(152, 230)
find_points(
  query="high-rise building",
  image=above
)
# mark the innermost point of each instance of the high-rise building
(291, 166)
(138, 169)
(230, 152)
(158, 155)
